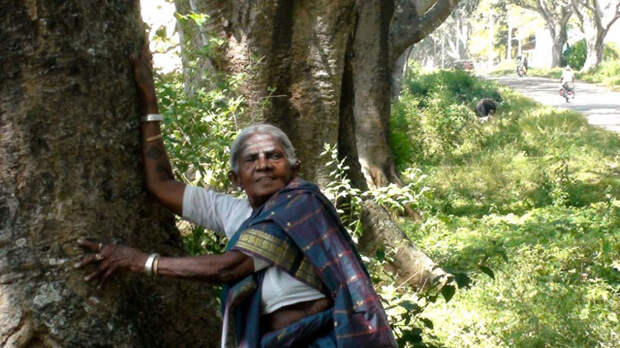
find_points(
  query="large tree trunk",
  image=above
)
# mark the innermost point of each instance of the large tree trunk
(69, 167)
(293, 53)
(594, 55)
(559, 40)
(595, 17)
(321, 71)
(398, 72)
(371, 77)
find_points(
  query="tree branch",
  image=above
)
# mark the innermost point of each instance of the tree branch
(407, 27)
(587, 5)
(616, 16)
(567, 13)
(525, 5)
(544, 10)
(578, 13)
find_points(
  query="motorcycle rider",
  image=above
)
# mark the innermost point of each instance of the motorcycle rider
(567, 80)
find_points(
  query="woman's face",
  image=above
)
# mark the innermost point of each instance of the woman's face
(263, 168)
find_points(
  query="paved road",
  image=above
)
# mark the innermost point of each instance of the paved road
(600, 105)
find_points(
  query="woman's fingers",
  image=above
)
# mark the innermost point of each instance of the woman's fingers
(107, 258)
(102, 269)
(107, 275)
(92, 258)
(94, 246)
(92, 275)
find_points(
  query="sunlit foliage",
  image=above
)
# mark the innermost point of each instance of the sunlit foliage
(525, 211)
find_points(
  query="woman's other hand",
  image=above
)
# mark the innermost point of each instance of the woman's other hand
(143, 75)
(109, 258)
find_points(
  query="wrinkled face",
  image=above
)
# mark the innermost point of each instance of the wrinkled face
(263, 168)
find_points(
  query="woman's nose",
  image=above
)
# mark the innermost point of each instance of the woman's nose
(263, 162)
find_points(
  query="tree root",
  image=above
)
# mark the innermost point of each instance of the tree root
(409, 263)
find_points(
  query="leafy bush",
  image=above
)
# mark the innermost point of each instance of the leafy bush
(199, 124)
(526, 212)
(435, 116)
(198, 129)
(575, 55)
(404, 307)
(607, 73)
(348, 200)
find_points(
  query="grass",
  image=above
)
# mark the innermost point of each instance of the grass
(525, 211)
(607, 74)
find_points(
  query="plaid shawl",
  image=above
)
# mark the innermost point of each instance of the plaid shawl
(298, 230)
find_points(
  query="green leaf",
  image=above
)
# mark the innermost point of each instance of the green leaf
(447, 292)
(380, 254)
(503, 255)
(198, 18)
(462, 280)
(410, 306)
(486, 270)
(411, 336)
(427, 322)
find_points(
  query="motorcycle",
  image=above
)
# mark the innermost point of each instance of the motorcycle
(567, 92)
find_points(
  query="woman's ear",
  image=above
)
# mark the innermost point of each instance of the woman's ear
(232, 176)
(296, 167)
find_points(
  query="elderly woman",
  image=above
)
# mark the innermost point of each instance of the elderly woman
(291, 274)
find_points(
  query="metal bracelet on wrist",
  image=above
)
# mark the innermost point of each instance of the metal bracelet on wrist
(148, 265)
(153, 118)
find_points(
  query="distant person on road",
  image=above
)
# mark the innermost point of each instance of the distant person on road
(568, 77)
(567, 80)
(524, 61)
(522, 65)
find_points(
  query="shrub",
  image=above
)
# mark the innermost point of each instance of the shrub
(435, 116)
(607, 73)
(575, 55)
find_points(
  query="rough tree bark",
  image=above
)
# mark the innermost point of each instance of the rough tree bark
(321, 71)
(595, 17)
(69, 167)
(398, 72)
(556, 14)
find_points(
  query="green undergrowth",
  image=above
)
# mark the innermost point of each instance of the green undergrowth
(608, 73)
(523, 209)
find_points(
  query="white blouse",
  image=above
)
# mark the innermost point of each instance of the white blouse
(223, 214)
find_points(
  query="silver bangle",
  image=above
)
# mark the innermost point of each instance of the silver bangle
(155, 265)
(148, 265)
(152, 118)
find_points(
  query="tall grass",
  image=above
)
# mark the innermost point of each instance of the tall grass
(608, 73)
(524, 210)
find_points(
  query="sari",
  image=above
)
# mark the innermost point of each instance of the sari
(298, 230)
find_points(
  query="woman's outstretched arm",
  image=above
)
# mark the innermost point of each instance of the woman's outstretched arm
(157, 169)
(108, 259)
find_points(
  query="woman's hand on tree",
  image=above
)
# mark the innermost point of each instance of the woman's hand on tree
(110, 258)
(143, 75)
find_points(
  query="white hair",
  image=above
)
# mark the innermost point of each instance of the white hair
(260, 128)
